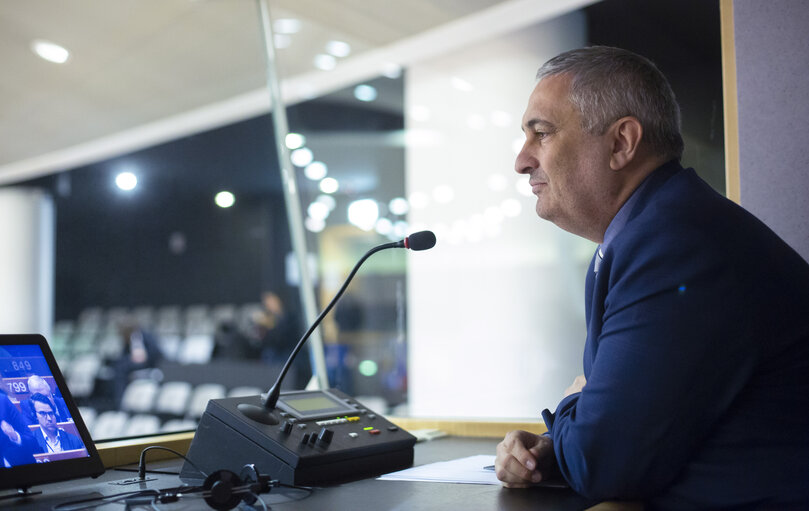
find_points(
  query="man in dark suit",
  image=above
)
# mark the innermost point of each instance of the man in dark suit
(695, 391)
(17, 444)
(50, 437)
(38, 385)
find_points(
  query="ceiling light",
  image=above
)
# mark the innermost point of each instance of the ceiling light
(391, 70)
(224, 199)
(301, 157)
(365, 92)
(325, 62)
(383, 226)
(318, 211)
(49, 51)
(338, 48)
(294, 140)
(399, 206)
(314, 225)
(327, 200)
(316, 171)
(363, 213)
(286, 26)
(329, 185)
(126, 181)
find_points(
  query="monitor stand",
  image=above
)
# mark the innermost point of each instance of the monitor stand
(21, 494)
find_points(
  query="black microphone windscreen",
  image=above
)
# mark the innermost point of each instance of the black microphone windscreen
(421, 240)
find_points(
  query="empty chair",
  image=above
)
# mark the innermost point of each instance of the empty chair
(82, 372)
(173, 398)
(178, 425)
(170, 345)
(60, 338)
(200, 397)
(115, 318)
(144, 316)
(223, 313)
(196, 349)
(169, 320)
(244, 391)
(110, 346)
(141, 424)
(247, 316)
(109, 424)
(90, 320)
(139, 396)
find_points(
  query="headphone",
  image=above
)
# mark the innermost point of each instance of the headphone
(224, 490)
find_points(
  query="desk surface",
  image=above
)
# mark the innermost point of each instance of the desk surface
(366, 494)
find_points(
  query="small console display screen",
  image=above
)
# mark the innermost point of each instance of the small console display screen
(314, 404)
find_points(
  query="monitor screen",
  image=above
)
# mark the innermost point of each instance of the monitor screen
(42, 436)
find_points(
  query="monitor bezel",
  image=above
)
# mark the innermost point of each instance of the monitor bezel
(26, 476)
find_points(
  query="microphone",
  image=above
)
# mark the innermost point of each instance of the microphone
(422, 240)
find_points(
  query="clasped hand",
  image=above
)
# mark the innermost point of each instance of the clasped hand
(524, 459)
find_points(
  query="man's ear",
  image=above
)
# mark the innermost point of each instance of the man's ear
(626, 135)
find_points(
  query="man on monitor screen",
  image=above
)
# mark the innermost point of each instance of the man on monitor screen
(50, 437)
(17, 444)
(38, 385)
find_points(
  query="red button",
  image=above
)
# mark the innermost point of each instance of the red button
(374, 432)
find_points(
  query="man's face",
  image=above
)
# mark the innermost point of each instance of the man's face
(45, 416)
(567, 167)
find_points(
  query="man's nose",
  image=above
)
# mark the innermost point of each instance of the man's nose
(525, 162)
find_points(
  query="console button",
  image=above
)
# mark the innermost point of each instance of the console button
(325, 436)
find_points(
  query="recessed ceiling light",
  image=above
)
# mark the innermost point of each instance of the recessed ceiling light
(338, 48)
(365, 92)
(325, 62)
(49, 51)
(224, 199)
(126, 181)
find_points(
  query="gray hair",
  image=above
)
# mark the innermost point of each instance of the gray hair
(610, 83)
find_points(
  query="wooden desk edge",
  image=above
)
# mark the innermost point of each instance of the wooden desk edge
(124, 452)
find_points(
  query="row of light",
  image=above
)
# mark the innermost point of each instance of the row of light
(128, 181)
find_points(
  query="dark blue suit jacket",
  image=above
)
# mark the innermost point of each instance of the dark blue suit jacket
(13, 453)
(697, 359)
(66, 440)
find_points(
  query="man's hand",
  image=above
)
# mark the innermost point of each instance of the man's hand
(524, 458)
(9, 430)
(577, 385)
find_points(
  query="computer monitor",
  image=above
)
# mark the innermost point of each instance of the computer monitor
(43, 438)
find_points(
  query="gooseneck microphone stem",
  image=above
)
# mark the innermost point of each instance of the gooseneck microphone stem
(275, 391)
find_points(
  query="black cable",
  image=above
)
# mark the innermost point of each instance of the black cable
(98, 501)
(142, 462)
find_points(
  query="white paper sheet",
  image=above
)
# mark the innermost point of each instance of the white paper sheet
(464, 470)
